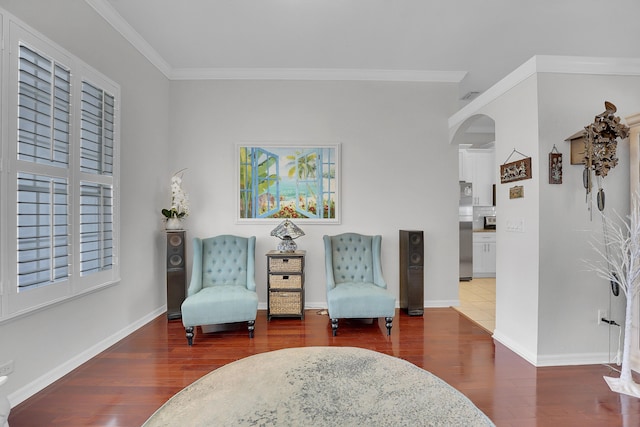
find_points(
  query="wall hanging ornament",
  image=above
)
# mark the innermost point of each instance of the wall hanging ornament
(600, 151)
(515, 171)
(555, 166)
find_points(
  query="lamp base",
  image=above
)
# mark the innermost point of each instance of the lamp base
(287, 245)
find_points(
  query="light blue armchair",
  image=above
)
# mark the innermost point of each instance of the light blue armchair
(222, 287)
(355, 286)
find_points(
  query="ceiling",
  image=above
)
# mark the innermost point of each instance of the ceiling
(475, 42)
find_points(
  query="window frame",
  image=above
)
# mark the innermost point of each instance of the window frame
(12, 302)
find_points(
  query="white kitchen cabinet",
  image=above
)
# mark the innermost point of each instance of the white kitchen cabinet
(483, 177)
(465, 165)
(484, 254)
(478, 167)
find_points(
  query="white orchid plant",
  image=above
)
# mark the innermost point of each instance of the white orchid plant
(179, 201)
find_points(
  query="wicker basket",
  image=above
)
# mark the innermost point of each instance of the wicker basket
(292, 265)
(285, 303)
(285, 282)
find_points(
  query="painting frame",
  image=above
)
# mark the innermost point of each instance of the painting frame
(299, 181)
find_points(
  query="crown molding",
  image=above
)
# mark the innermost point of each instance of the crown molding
(548, 64)
(110, 15)
(114, 19)
(317, 74)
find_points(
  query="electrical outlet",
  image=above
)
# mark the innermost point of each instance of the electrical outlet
(6, 368)
(602, 313)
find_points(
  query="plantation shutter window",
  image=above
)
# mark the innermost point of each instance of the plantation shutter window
(43, 231)
(97, 130)
(43, 110)
(96, 227)
(43, 135)
(61, 150)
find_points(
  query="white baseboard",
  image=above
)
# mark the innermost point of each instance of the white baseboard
(323, 305)
(442, 303)
(538, 361)
(515, 347)
(55, 374)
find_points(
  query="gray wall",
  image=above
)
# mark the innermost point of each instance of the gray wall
(46, 343)
(398, 172)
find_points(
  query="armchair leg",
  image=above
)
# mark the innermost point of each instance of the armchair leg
(389, 324)
(334, 327)
(251, 327)
(189, 331)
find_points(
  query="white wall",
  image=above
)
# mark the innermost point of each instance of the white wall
(570, 294)
(547, 298)
(398, 172)
(47, 343)
(516, 127)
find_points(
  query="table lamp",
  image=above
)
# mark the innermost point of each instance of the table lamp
(287, 232)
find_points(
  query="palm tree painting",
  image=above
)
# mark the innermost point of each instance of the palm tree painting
(288, 182)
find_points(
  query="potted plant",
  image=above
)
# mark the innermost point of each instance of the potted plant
(179, 208)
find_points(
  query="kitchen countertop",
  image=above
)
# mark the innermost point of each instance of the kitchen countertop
(482, 230)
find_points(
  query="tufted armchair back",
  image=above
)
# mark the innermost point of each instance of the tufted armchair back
(354, 258)
(224, 260)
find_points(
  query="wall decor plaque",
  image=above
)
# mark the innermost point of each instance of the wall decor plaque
(555, 166)
(515, 171)
(516, 192)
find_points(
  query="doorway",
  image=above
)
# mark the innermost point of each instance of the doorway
(476, 141)
(478, 301)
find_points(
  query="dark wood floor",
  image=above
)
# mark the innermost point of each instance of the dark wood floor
(126, 383)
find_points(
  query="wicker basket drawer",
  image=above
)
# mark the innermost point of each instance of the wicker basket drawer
(285, 303)
(293, 281)
(291, 265)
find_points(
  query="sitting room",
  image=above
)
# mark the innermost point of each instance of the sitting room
(345, 118)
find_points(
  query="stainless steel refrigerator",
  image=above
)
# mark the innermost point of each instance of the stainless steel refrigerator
(466, 230)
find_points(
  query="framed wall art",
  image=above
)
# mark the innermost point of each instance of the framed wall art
(515, 171)
(277, 181)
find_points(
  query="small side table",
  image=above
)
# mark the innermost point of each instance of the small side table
(285, 284)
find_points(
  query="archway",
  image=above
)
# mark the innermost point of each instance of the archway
(477, 173)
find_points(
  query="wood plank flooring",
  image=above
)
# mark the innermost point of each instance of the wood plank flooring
(126, 383)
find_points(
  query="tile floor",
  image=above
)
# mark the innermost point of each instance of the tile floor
(478, 301)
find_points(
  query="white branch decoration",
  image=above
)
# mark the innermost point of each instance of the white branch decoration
(622, 267)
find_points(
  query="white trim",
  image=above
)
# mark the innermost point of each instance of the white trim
(332, 74)
(114, 19)
(569, 359)
(515, 347)
(55, 374)
(547, 64)
(441, 303)
(573, 359)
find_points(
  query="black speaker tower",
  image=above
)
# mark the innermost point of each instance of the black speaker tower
(412, 272)
(176, 273)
